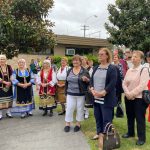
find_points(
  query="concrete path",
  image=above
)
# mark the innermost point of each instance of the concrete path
(39, 133)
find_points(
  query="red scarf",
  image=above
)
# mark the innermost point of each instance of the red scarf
(50, 90)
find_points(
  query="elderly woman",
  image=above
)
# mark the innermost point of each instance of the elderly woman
(135, 82)
(60, 88)
(103, 88)
(6, 95)
(119, 89)
(76, 86)
(23, 79)
(88, 97)
(46, 79)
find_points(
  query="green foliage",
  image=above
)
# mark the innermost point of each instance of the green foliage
(57, 59)
(23, 23)
(130, 24)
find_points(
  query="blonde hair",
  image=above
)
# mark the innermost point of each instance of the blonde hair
(64, 58)
(108, 53)
(140, 53)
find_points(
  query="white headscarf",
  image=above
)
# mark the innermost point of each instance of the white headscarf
(47, 62)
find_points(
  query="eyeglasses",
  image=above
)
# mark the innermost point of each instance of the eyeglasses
(101, 54)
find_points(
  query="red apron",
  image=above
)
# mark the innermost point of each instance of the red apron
(49, 90)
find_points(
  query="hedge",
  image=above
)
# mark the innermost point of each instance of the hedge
(57, 59)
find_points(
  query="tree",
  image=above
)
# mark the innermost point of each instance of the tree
(25, 26)
(129, 24)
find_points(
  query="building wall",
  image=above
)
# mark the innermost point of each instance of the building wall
(13, 62)
(59, 50)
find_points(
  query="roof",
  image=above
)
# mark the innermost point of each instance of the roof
(84, 41)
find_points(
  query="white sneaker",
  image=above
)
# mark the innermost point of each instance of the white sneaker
(86, 116)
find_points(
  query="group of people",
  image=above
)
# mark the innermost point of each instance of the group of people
(80, 87)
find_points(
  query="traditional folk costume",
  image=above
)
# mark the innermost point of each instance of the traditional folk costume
(61, 79)
(46, 94)
(24, 100)
(60, 91)
(6, 94)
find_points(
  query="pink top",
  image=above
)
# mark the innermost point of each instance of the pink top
(134, 83)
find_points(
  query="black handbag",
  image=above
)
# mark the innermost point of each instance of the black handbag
(146, 93)
(146, 96)
(111, 138)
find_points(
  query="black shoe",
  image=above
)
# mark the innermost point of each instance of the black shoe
(8, 116)
(77, 128)
(62, 113)
(140, 143)
(29, 114)
(45, 113)
(51, 113)
(67, 128)
(127, 136)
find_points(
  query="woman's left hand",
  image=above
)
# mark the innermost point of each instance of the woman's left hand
(129, 96)
(85, 79)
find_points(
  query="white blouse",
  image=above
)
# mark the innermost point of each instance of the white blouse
(52, 83)
(62, 75)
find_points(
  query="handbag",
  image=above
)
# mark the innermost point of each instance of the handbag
(146, 96)
(111, 139)
(146, 93)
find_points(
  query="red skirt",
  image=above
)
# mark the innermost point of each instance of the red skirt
(149, 105)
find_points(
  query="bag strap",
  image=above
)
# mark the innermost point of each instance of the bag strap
(106, 127)
(143, 69)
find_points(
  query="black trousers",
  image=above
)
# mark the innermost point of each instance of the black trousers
(103, 115)
(136, 110)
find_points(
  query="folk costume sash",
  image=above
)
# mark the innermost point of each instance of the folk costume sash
(48, 89)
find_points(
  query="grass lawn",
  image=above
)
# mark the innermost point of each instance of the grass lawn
(89, 129)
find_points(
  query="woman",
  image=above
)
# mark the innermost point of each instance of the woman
(23, 79)
(6, 95)
(135, 82)
(76, 86)
(103, 88)
(148, 65)
(60, 88)
(46, 79)
(119, 90)
(33, 67)
(88, 98)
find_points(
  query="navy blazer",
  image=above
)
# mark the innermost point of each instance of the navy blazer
(110, 99)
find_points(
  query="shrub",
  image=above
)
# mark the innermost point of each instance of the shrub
(57, 59)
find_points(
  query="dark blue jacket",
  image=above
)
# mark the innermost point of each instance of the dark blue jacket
(110, 99)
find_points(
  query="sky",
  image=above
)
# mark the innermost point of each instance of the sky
(70, 15)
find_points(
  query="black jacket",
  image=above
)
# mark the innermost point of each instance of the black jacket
(110, 99)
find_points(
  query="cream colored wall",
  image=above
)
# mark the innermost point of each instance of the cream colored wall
(13, 62)
(59, 50)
